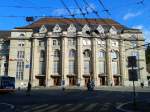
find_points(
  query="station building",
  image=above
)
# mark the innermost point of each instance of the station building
(56, 51)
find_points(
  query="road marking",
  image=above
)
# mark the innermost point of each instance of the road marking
(10, 105)
(90, 107)
(76, 107)
(48, 108)
(38, 107)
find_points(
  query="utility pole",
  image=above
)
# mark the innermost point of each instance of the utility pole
(132, 62)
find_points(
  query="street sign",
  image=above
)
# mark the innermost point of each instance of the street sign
(133, 75)
(132, 61)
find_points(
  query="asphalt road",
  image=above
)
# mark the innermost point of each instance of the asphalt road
(70, 100)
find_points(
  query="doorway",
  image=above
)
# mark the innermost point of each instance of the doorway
(116, 80)
(103, 80)
(87, 79)
(57, 81)
(41, 81)
(72, 81)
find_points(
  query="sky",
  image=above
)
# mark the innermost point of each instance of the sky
(131, 13)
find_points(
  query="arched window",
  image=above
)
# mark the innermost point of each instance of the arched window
(86, 53)
(101, 54)
(114, 55)
(72, 53)
(56, 62)
(56, 53)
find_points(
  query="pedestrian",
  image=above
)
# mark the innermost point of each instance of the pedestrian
(92, 85)
(142, 84)
(88, 85)
(29, 88)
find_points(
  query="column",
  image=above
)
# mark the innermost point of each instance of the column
(64, 60)
(109, 62)
(94, 61)
(35, 60)
(122, 62)
(49, 60)
(80, 61)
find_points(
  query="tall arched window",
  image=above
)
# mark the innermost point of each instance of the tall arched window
(115, 62)
(42, 64)
(87, 61)
(56, 62)
(72, 57)
(72, 53)
(101, 57)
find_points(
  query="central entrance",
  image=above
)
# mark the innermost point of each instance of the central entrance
(72, 80)
(56, 80)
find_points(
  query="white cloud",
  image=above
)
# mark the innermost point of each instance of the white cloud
(147, 35)
(138, 27)
(130, 15)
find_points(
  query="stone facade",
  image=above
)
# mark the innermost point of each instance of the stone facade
(50, 52)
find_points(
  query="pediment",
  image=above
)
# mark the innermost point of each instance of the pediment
(43, 29)
(57, 28)
(113, 30)
(71, 28)
(85, 28)
(100, 29)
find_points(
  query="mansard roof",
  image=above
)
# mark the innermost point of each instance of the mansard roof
(79, 23)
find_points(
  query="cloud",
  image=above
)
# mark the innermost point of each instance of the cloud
(138, 27)
(146, 31)
(147, 35)
(131, 15)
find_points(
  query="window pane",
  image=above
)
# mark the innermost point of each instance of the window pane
(87, 67)
(114, 68)
(101, 67)
(56, 67)
(72, 67)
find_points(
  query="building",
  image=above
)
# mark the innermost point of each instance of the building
(4, 52)
(56, 51)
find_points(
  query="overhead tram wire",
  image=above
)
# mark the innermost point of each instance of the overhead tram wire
(105, 9)
(96, 13)
(83, 14)
(72, 15)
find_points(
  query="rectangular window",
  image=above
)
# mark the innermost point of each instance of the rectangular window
(101, 67)
(54, 42)
(86, 67)
(114, 68)
(20, 54)
(71, 67)
(56, 67)
(20, 70)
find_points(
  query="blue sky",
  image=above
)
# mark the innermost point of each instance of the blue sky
(130, 13)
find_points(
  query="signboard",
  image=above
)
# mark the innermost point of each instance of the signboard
(133, 75)
(132, 61)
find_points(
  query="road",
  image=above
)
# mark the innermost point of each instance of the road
(71, 100)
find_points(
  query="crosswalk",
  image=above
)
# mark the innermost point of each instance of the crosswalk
(79, 107)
